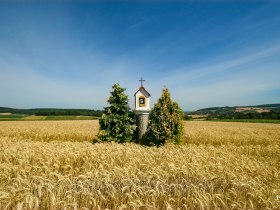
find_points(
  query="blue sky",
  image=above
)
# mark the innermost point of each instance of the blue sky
(69, 54)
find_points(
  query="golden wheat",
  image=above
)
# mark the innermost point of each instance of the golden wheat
(54, 165)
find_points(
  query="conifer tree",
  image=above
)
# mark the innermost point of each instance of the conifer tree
(165, 121)
(115, 123)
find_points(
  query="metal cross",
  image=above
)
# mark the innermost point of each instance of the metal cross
(141, 80)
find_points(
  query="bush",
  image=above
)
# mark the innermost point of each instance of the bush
(165, 122)
(187, 117)
(115, 123)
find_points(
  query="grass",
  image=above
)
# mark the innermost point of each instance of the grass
(221, 165)
(38, 118)
(69, 117)
(11, 116)
(34, 117)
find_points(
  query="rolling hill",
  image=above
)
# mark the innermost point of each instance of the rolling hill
(265, 111)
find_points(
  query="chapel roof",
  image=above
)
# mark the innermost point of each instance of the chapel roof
(142, 89)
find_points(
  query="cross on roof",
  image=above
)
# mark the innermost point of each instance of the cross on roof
(141, 80)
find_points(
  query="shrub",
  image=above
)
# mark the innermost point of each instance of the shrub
(165, 122)
(115, 123)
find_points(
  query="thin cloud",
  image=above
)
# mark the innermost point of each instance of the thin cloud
(188, 74)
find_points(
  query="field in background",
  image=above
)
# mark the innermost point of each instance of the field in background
(54, 165)
(17, 117)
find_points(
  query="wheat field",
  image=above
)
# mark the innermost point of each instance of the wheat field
(54, 165)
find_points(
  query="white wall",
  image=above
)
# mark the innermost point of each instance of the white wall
(147, 105)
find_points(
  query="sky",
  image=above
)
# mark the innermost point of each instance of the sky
(68, 54)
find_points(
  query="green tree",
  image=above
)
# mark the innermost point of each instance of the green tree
(115, 123)
(165, 122)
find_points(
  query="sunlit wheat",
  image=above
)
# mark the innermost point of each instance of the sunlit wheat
(54, 165)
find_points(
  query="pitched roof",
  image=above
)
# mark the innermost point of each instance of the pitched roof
(142, 89)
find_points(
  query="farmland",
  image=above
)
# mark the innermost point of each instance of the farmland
(220, 165)
(17, 117)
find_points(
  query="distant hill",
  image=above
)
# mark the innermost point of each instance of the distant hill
(52, 111)
(265, 111)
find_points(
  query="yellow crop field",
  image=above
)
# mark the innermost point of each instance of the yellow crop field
(54, 165)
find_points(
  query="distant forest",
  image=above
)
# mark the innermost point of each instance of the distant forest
(266, 111)
(52, 112)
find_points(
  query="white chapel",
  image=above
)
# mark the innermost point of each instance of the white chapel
(142, 99)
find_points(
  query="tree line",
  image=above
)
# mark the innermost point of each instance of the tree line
(273, 114)
(51, 111)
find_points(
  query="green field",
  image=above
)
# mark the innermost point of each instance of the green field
(69, 117)
(14, 117)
